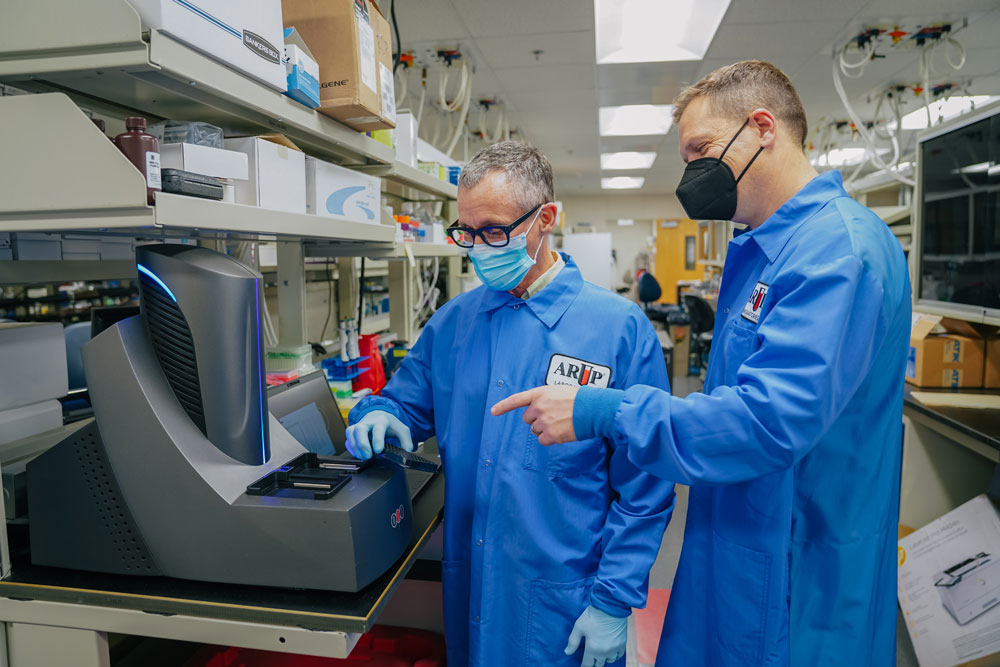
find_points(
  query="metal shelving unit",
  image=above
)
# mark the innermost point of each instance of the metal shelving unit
(98, 52)
(405, 182)
(106, 194)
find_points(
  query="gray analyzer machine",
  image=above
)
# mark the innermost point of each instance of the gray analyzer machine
(184, 473)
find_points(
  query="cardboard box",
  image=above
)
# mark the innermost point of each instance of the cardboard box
(991, 375)
(349, 39)
(949, 359)
(244, 35)
(406, 138)
(345, 194)
(33, 359)
(301, 70)
(949, 585)
(205, 160)
(277, 175)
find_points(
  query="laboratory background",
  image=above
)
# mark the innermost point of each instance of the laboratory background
(224, 225)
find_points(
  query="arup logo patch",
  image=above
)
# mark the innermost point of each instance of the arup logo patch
(261, 47)
(751, 311)
(574, 372)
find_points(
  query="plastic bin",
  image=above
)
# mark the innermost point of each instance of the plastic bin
(338, 370)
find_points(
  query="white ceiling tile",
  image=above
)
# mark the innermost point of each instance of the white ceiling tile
(553, 79)
(427, 20)
(765, 41)
(561, 48)
(489, 18)
(923, 9)
(791, 11)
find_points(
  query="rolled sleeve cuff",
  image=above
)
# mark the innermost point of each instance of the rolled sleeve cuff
(373, 404)
(608, 606)
(594, 412)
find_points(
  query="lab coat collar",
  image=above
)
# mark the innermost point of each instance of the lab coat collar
(549, 304)
(775, 232)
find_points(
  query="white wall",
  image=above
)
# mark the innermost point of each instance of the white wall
(605, 210)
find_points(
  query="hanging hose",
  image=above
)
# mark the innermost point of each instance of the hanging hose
(460, 127)
(459, 94)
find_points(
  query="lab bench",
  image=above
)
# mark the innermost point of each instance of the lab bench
(950, 455)
(61, 617)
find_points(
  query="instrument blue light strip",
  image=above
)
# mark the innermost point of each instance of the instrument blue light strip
(159, 282)
(260, 374)
(205, 15)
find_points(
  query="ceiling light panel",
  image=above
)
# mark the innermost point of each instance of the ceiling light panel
(627, 160)
(639, 31)
(622, 183)
(636, 120)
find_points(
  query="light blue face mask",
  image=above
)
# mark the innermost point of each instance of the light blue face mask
(502, 269)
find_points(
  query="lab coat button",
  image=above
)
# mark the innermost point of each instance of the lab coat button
(517, 307)
(499, 383)
(479, 543)
(477, 619)
(489, 462)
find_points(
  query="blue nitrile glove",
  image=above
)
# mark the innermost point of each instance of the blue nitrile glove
(367, 437)
(604, 637)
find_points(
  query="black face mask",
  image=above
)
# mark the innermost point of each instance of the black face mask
(707, 190)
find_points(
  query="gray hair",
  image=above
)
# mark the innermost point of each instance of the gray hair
(529, 173)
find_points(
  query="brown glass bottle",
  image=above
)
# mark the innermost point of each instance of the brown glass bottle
(143, 150)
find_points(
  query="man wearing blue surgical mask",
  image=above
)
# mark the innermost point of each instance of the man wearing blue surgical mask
(546, 551)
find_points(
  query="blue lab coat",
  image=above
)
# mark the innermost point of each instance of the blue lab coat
(532, 534)
(793, 450)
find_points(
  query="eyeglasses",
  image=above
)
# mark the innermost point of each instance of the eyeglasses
(496, 236)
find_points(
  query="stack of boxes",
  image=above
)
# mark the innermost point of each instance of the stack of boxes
(953, 354)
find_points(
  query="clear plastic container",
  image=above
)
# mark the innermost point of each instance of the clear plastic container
(288, 358)
(187, 132)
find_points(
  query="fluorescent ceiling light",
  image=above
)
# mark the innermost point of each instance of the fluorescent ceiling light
(625, 222)
(642, 31)
(622, 183)
(942, 110)
(636, 120)
(627, 160)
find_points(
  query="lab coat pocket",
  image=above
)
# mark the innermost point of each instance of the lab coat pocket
(740, 343)
(455, 589)
(742, 575)
(553, 610)
(566, 460)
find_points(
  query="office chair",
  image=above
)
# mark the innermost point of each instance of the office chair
(702, 319)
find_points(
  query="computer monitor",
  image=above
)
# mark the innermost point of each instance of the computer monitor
(957, 266)
(307, 410)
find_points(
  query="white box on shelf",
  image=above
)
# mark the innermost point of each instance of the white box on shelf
(205, 160)
(341, 193)
(36, 246)
(406, 138)
(245, 35)
(33, 359)
(427, 153)
(949, 585)
(28, 420)
(277, 175)
(301, 70)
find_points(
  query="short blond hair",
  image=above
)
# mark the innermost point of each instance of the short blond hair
(736, 90)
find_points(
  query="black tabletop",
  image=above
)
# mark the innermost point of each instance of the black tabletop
(313, 609)
(980, 424)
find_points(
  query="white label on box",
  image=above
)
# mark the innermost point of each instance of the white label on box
(153, 170)
(366, 49)
(388, 93)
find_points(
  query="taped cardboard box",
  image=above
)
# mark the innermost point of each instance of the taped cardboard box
(944, 353)
(991, 375)
(349, 39)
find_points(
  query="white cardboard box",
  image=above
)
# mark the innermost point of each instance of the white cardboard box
(29, 420)
(245, 35)
(33, 359)
(277, 175)
(949, 585)
(205, 160)
(341, 193)
(406, 138)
